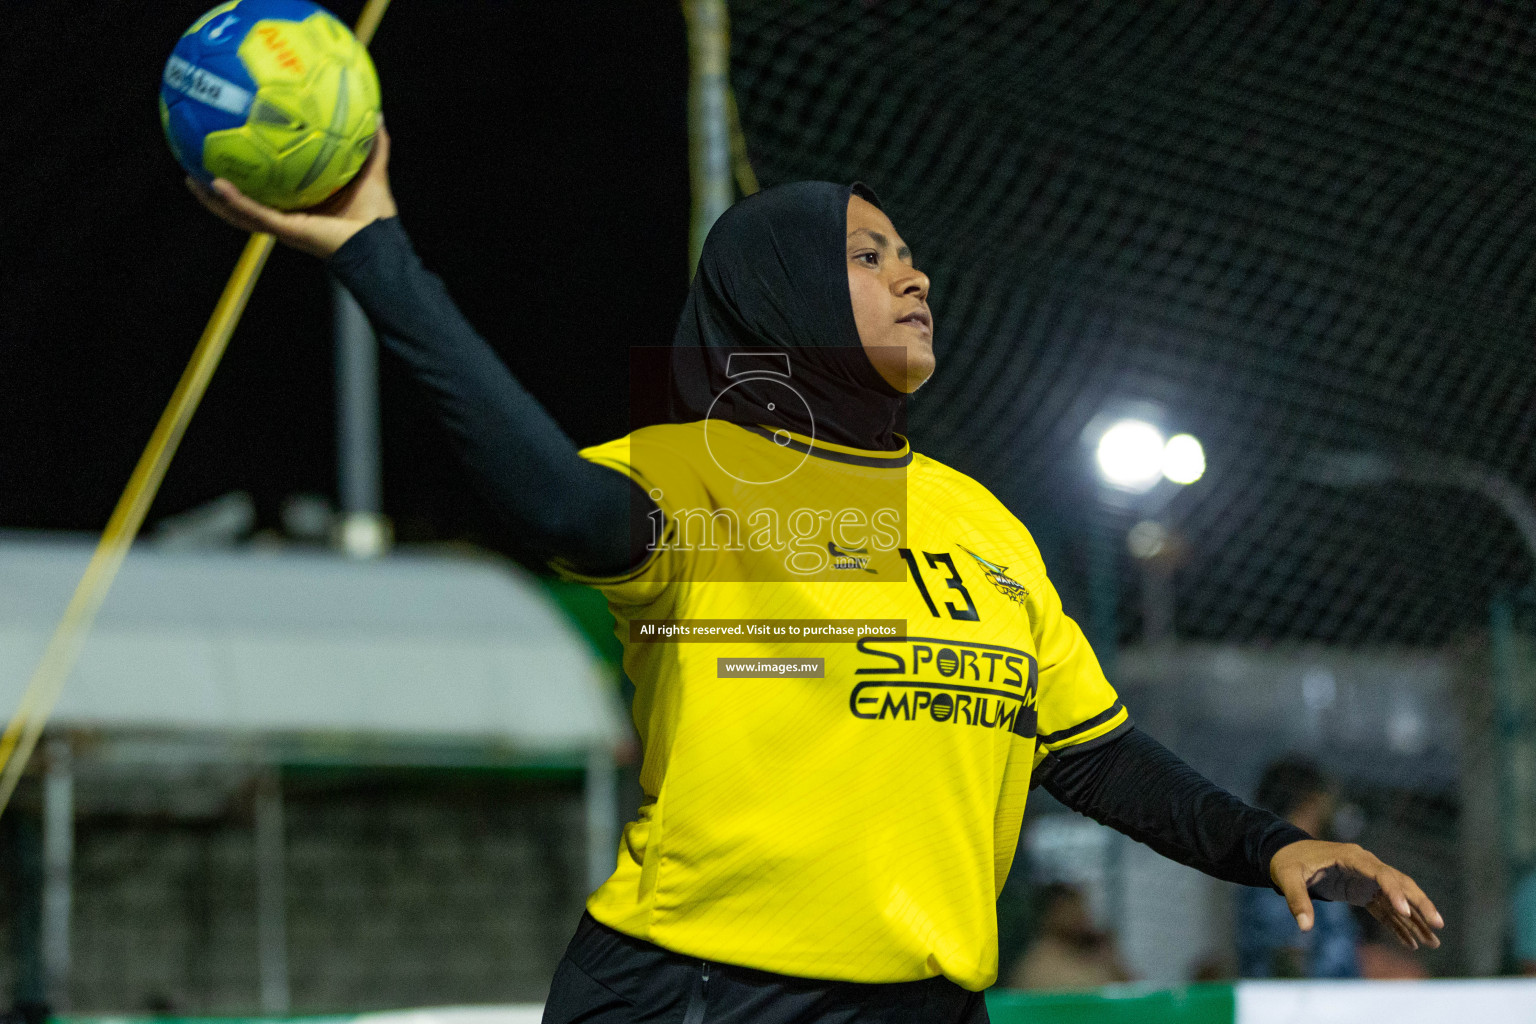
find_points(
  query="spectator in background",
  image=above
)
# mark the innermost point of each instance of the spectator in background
(1268, 944)
(1069, 954)
(1523, 924)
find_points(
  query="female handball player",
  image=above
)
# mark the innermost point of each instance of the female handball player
(826, 825)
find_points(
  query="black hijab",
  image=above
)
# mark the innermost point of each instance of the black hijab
(771, 298)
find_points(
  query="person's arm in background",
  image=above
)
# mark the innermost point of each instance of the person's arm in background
(1137, 786)
(558, 504)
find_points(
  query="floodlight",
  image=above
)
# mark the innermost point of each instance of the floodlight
(1130, 455)
(1183, 459)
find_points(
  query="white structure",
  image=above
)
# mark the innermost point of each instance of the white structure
(262, 657)
(249, 641)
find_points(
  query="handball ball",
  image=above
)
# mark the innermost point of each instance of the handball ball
(275, 95)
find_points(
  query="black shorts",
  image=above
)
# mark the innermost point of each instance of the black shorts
(607, 977)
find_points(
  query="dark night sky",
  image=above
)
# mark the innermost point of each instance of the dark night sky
(539, 162)
(1297, 227)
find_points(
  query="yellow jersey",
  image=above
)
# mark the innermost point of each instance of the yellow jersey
(855, 824)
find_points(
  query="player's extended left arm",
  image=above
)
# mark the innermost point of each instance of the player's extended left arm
(1141, 788)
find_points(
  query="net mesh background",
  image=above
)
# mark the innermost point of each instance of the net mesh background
(1297, 227)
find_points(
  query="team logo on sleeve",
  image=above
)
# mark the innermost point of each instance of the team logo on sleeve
(1006, 585)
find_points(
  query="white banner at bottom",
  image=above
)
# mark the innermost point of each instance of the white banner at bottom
(1473, 1001)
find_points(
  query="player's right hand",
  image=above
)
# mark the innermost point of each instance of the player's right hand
(323, 228)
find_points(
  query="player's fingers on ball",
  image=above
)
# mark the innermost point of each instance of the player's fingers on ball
(216, 206)
(220, 204)
(245, 206)
(269, 219)
(209, 199)
(377, 166)
(233, 217)
(202, 197)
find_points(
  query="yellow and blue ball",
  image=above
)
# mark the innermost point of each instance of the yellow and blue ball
(275, 95)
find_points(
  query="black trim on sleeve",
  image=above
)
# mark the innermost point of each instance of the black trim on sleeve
(1098, 741)
(1084, 726)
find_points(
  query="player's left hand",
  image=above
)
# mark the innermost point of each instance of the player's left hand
(1346, 873)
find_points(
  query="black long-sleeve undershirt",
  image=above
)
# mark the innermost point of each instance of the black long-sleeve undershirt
(562, 506)
(1139, 787)
(557, 504)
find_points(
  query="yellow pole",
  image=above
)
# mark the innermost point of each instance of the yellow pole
(63, 650)
(741, 164)
(368, 21)
(709, 143)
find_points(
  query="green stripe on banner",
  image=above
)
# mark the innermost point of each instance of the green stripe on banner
(1122, 1004)
(139, 1018)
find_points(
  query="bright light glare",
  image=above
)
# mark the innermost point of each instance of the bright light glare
(1130, 455)
(1183, 459)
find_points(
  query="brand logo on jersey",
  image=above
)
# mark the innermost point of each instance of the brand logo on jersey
(957, 705)
(947, 681)
(852, 558)
(1006, 585)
